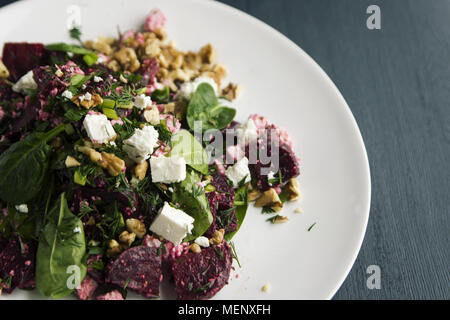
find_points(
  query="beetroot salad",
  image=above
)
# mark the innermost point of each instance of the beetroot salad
(121, 158)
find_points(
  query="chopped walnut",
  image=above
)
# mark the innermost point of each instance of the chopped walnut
(113, 248)
(195, 248)
(280, 219)
(102, 45)
(128, 59)
(208, 54)
(71, 162)
(137, 227)
(252, 195)
(270, 199)
(140, 170)
(232, 91)
(95, 100)
(126, 238)
(4, 73)
(113, 164)
(217, 237)
(292, 189)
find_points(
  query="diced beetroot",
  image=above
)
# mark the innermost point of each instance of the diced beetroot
(21, 57)
(221, 202)
(202, 275)
(288, 165)
(17, 263)
(87, 288)
(138, 269)
(149, 69)
(112, 295)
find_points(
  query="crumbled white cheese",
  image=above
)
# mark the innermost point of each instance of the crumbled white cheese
(238, 171)
(98, 128)
(98, 79)
(67, 94)
(77, 230)
(202, 242)
(22, 208)
(140, 145)
(142, 101)
(168, 169)
(87, 96)
(24, 83)
(247, 133)
(187, 89)
(172, 224)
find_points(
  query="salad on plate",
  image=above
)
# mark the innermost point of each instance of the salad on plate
(121, 162)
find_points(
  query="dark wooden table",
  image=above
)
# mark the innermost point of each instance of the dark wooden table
(396, 81)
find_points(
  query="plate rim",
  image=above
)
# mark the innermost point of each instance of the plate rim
(324, 76)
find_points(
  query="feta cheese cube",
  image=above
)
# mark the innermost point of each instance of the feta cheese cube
(168, 169)
(202, 242)
(141, 102)
(172, 224)
(98, 79)
(247, 133)
(188, 88)
(238, 171)
(98, 128)
(139, 146)
(67, 94)
(22, 208)
(26, 82)
(87, 96)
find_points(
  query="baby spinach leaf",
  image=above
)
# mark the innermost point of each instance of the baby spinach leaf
(61, 245)
(185, 144)
(241, 205)
(197, 207)
(24, 167)
(205, 107)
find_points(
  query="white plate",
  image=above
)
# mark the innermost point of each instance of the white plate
(281, 82)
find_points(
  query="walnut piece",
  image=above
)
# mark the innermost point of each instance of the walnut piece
(195, 248)
(95, 100)
(113, 248)
(137, 227)
(112, 163)
(231, 92)
(141, 169)
(217, 237)
(71, 162)
(128, 59)
(270, 199)
(126, 238)
(292, 189)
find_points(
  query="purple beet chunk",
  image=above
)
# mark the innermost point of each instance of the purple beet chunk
(138, 269)
(148, 70)
(202, 275)
(287, 164)
(21, 57)
(17, 263)
(220, 202)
